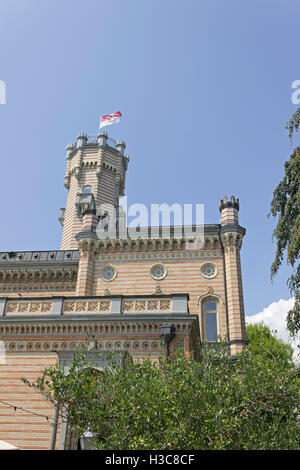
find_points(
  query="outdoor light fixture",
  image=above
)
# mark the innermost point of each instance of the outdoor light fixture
(167, 333)
(86, 440)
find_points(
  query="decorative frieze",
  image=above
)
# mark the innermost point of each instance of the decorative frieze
(159, 256)
(24, 307)
(14, 280)
(131, 345)
(156, 303)
(92, 306)
(147, 305)
(38, 288)
(74, 328)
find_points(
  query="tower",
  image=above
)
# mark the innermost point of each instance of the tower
(95, 177)
(231, 235)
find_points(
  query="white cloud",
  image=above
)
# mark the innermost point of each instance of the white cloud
(274, 316)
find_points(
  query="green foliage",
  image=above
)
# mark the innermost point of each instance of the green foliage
(265, 345)
(293, 124)
(286, 206)
(181, 404)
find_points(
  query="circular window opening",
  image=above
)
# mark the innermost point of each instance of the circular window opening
(108, 273)
(209, 270)
(158, 272)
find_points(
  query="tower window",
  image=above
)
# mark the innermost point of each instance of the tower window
(210, 321)
(87, 189)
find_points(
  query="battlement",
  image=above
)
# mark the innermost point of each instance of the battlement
(96, 140)
(226, 203)
(229, 209)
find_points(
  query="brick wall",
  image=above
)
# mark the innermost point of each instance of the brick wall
(24, 430)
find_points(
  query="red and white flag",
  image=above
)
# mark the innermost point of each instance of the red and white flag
(109, 119)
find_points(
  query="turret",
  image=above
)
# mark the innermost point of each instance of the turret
(229, 209)
(232, 235)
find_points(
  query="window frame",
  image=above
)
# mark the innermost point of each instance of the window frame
(203, 312)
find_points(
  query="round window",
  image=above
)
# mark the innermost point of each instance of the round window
(108, 273)
(209, 270)
(158, 272)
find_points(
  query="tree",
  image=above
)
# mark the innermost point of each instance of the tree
(263, 343)
(180, 403)
(286, 205)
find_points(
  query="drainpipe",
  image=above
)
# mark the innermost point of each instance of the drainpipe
(218, 227)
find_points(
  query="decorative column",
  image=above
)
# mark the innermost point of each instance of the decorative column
(232, 234)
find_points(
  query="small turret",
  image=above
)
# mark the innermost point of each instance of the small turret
(81, 140)
(102, 139)
(120, 146)
(229, 209)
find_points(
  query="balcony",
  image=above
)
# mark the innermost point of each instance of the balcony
(89, 306)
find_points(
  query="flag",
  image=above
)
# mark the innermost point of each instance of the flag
(109, 119)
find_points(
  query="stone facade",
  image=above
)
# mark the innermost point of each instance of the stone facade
(122, 290)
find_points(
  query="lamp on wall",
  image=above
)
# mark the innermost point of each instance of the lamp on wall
(167, 332)
(85, 442)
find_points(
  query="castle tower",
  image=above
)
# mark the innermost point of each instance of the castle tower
(95, 175)
(231, 236)
(130, 293)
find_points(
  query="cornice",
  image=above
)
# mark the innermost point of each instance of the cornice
(170, 257)
(108, 318)
(7, 289)
(232, 228)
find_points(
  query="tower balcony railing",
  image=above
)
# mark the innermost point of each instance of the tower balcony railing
(93, 139)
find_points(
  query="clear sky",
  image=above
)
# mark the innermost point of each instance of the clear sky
(205, 91)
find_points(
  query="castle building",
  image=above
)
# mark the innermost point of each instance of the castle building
(144, 295)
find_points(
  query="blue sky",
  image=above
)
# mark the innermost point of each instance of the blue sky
(205, 92)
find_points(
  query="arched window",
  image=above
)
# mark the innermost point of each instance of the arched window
(87, 189)
(210, 323)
